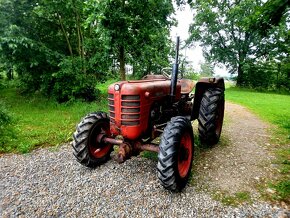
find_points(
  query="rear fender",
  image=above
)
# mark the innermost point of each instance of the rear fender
(202, 85)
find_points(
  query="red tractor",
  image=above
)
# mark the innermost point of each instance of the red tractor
(142, 110)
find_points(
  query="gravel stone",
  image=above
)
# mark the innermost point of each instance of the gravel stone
(49, 183)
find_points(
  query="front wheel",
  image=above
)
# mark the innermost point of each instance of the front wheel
(211, 115)
(86, 148)
(176, 154)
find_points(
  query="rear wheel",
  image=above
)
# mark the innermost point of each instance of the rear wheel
(211, 115)
(86, 147)
(176, 154)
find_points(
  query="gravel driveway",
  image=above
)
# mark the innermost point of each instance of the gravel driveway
(47, 183)
(53, 184)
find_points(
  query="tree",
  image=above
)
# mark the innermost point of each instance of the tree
(62, 48)
(219, 26)
(206, 69)
(136, 31)
(271, 23)
(222, 27)
(269, 15)
(41, 38)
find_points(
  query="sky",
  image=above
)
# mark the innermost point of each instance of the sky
(194, 54)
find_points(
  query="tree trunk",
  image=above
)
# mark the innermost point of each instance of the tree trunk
(122, 62)
(9, 73)
(80, 40)
(240, 79)
(65, 35)
(122, 55)
(79, 37)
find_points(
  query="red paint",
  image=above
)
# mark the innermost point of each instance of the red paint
(96, 147)
(184, 154)
(129, 115)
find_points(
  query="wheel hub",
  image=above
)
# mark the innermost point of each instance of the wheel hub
(96, 145)
(184, 155)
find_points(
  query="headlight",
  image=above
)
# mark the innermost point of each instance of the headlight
(117, 87)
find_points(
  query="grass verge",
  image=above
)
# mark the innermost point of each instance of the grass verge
(39, 122)
(273, 108)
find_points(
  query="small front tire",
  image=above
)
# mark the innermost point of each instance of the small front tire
(85, 145)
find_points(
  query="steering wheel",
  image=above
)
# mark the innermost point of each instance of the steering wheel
(166, 75)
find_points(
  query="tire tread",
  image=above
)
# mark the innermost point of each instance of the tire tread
(167, 157)
(80, 140)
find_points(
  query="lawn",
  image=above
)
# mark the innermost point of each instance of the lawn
(273, 108)
(41, 122)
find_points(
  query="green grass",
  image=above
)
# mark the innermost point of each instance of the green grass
(274, 108)
(41, 122)
(150, 155)
(233, 200)
(282, 190)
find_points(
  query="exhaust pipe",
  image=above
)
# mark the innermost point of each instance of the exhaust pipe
(174, 74)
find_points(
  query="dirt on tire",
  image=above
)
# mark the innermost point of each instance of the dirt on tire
(242, 159)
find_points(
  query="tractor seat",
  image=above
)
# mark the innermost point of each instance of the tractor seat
(187, 86)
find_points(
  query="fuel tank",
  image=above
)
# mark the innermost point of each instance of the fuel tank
(130, 103)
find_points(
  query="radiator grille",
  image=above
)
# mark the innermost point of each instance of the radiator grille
(130, 104)
(130, 116)
(130, 110)
(130, 97)
(111, 107)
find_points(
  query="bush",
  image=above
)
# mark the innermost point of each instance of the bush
(1, 81)
(5, 120)
(191, 75)
(266, 76)
(70, 82)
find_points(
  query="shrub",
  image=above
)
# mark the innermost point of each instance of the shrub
(71, 82)
(5, 120)
(192, 75)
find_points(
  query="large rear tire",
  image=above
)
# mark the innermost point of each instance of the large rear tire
(86, 148)
(211, 115)
(176, 154)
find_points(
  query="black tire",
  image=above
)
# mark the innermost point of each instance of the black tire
(211, 115)
(176, 154)
(86, 149)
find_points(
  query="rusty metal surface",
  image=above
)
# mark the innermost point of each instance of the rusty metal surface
(149, 147)
(130, 105)
(186, 86)
(151, 77)
(112, 141)
(125, 152)
(146, 147)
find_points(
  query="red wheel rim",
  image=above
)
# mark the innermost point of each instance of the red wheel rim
(184, 155)
(96, 149)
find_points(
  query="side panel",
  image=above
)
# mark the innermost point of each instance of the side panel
(202, 85)
(130, 105)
